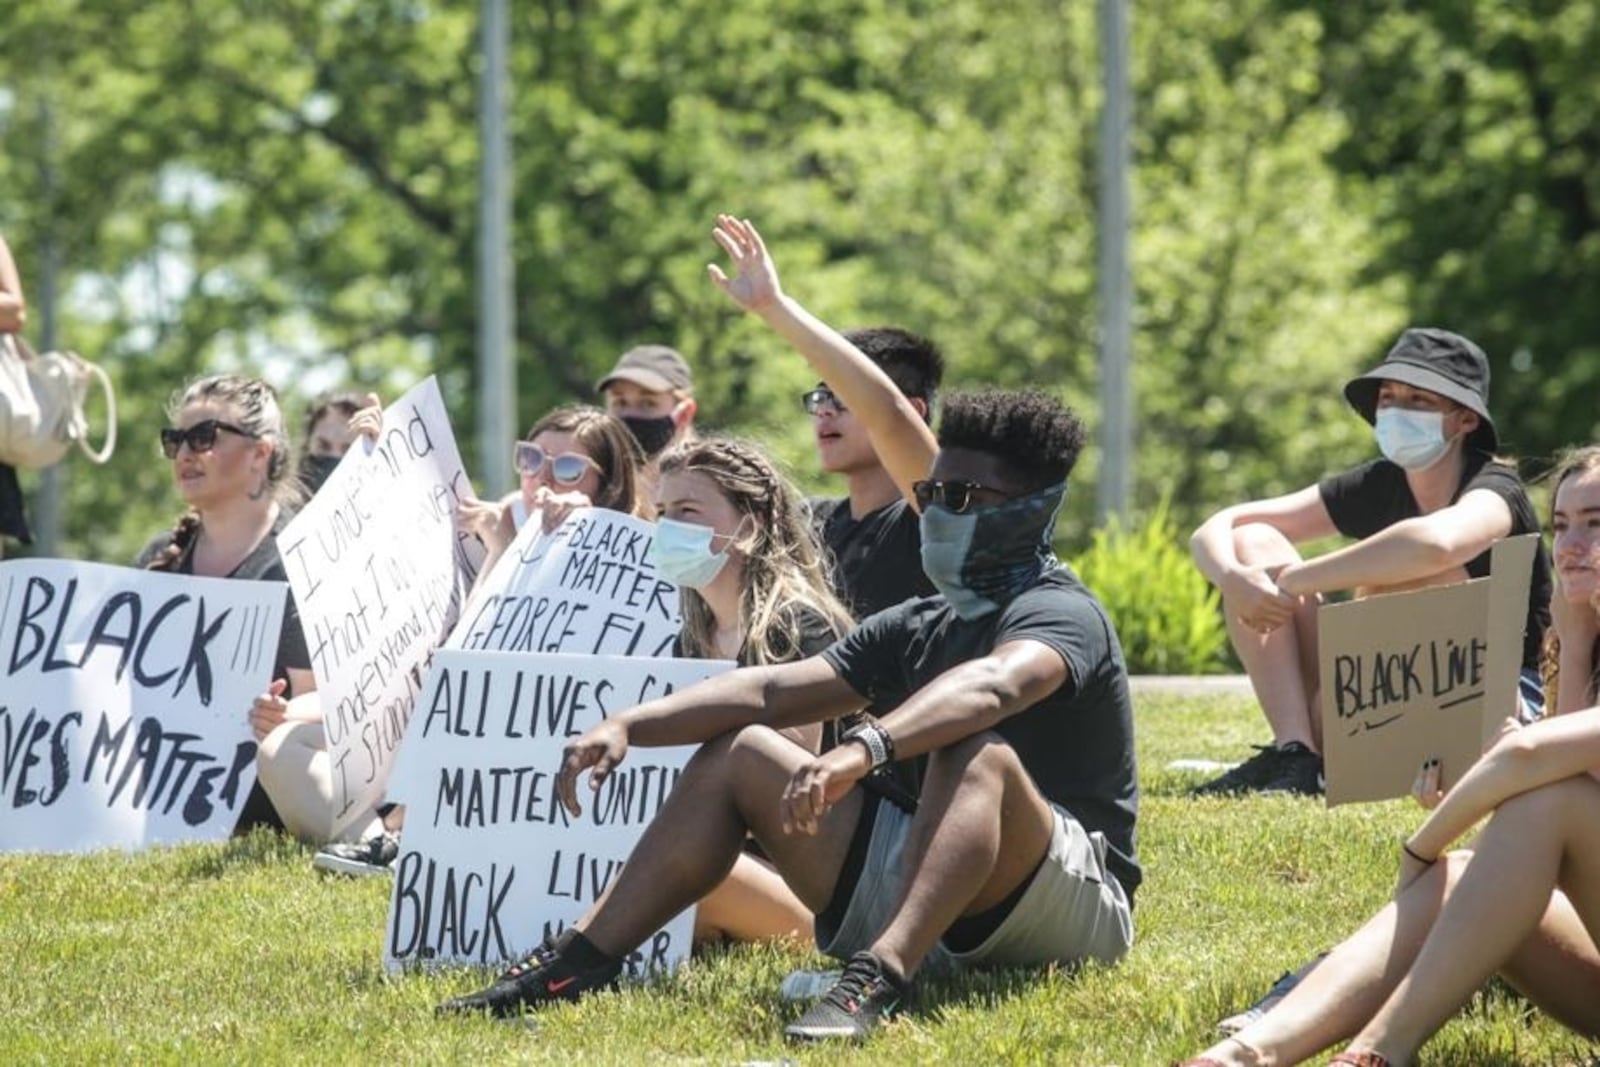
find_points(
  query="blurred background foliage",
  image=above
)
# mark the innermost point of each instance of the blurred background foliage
(288, 187)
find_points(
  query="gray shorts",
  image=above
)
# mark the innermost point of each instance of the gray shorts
(1073, 910)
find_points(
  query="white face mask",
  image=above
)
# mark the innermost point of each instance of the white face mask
(1413, 440)
(682, 554)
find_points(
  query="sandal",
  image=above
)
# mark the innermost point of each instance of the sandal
(1352, 1058)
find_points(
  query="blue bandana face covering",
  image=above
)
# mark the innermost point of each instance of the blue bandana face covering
(981, 558)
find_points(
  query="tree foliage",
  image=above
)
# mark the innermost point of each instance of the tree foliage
(289, 187)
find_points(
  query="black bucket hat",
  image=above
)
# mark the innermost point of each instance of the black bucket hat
(1440, 362)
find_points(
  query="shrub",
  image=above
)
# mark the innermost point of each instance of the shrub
(1167, 614)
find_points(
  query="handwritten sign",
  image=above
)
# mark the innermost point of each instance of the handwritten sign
(1411, 676)
(380, 572)
(491, 862)
(124, 703)
(586, 588)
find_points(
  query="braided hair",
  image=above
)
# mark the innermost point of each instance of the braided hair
(783, 563)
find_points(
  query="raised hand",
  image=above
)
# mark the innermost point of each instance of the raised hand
(754, 284)
(598, 751)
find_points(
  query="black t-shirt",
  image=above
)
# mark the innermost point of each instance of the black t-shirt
(813, 633)
(263, 564)
(1375, 496)
(13, 521)
(876, 559)
(1076, 743)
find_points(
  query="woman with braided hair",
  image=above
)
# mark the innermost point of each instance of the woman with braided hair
(733, 535)
(230, 456)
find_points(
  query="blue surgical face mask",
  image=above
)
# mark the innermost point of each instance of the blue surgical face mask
(982, 558)
(681, 552)
(1410, 439)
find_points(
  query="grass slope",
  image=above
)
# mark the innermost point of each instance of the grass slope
(241, 953)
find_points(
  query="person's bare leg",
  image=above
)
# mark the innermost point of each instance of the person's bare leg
(1535, 842)
(1281, 672)
(1342, 992)
(751, 904)
(732, 785)
(293, 766)
(981, 828)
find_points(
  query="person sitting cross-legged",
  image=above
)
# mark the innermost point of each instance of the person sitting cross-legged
(1011, 683)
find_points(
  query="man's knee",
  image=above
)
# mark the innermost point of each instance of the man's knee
(1257, 543)
(984, 757)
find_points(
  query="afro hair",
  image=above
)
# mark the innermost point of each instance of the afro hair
(1032, 432)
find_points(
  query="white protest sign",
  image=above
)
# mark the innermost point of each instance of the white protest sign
(491, 861)
(1427, 674)
(379, 572)
(124, 703)
(586, 588)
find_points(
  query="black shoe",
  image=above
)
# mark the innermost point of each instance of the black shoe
(1250, 776)
(1299, 772)
(375, 855)
(865, 995)
(547, 975)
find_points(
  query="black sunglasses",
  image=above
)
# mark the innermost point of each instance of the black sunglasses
(956, 496)
(201, 437)
(819, 396)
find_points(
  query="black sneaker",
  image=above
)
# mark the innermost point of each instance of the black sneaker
(1250, 776)
(1299, 772)
(374, 856)
(547, 975)
(865, 995)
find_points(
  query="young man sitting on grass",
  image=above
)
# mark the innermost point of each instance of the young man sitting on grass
(1011, 683)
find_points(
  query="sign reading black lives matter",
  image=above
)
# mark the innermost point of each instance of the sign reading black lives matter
(586, 588)
(491, 861)
(124, 703)
(1427, 674)
(379, 572)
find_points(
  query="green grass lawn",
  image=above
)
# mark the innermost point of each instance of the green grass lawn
(241, 953)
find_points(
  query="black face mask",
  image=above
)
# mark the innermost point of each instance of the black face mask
(314, 470)
(653, 434)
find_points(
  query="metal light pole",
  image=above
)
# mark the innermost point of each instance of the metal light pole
(1115, 276)
(48, 512)
(497, 377)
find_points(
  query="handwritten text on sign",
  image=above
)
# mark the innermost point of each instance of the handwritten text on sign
(586, 588)
(380, 571)
(1425, 674)
(124, 702)
(491, 862)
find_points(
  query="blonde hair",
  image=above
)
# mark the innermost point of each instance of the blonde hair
(260, 415)
(783, 563)
(1576, 462)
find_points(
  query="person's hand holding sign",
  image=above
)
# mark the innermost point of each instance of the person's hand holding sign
(599, 749)
(819, 783)
(368, 421)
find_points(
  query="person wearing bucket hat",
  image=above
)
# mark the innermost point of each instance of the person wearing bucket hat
(1425, 513)
(652, 391)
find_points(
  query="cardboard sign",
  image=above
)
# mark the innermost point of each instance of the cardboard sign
(491, 861)
(380, 572)
(1411, 676)
(124, 703)
(586, 588)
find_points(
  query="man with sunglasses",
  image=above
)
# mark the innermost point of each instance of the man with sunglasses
(1010, 682)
